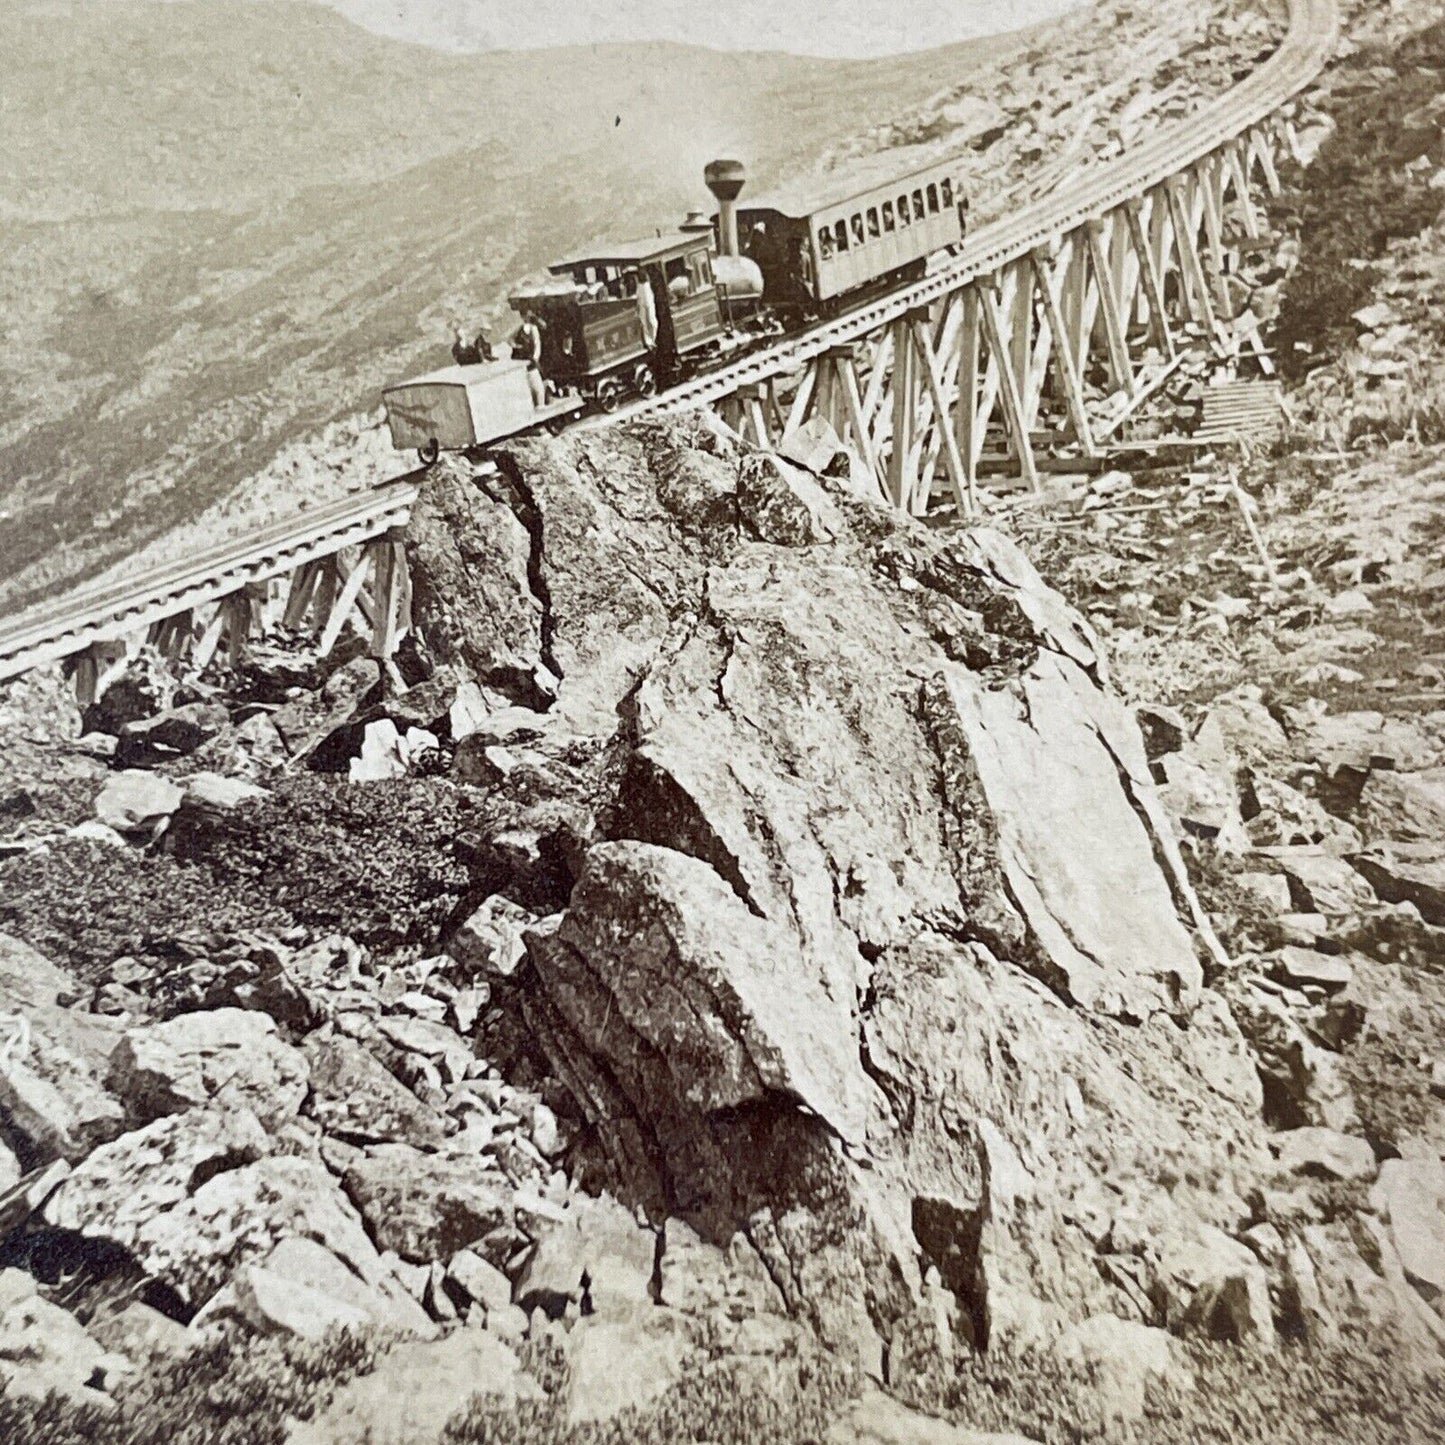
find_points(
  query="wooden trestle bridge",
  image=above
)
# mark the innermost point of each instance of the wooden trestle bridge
(1124, 269)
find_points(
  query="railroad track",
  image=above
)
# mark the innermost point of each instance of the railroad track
(107, 612)
(1313, 31)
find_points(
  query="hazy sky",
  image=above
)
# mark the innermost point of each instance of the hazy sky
(813, 27)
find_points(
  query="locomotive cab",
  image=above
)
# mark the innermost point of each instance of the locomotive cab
(627, 317)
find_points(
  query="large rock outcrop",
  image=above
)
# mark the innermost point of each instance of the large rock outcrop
(869, 935)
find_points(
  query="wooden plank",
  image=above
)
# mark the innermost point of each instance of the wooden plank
(1196, 288)
(802, 398)
(303, 590)
(1209, 194)
(341, 610)
(383, 636)
(209, 640)
(87, 677)
(1147, 388)
(966, 402)
(847, 376)
(1242, 195)
(1264, 154)
(903, 410)
(1159, 328)
(882, 360)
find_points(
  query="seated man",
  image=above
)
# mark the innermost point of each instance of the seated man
(464, 352)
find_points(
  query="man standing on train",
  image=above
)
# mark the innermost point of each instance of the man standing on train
(527, 346)
(646, 310)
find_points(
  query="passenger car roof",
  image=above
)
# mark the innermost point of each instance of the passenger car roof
(902, 168)
(638, 252)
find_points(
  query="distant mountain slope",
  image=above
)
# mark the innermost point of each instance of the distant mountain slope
(814, 27)
(226, 224)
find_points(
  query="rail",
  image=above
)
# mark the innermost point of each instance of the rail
(111, 610)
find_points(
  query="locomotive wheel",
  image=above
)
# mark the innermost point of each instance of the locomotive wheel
(643, 380)
(430, 452)
(609, 394)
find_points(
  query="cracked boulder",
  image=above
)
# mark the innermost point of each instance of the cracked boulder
(873, 944)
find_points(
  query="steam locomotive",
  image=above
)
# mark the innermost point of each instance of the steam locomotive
(623, 321)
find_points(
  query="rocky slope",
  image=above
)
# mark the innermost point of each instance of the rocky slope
(813, 961)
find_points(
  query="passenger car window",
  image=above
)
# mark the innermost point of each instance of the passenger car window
(933, 200)
(873, 231)
(888, 222)
(904, 215)
(918, 205)
(825, 243)
(945, 193)
(840, 235)
(858, 229)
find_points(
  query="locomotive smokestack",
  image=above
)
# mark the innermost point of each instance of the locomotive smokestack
(725, 180)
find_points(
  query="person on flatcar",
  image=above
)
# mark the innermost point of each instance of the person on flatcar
(483, 345)
(464, 352)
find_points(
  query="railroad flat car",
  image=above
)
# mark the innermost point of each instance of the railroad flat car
(461, 407)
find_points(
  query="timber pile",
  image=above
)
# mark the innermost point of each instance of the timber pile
(1241, 411)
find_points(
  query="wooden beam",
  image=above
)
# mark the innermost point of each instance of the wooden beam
(1068, 371)
(847, 374)
(87, 676)
(1242, 194)
(341, 609)
(964, 497)
(903, 412)
(1119, 365)
(879, 367)
(1207, 181)
(1259, 142)
(209, 639)
(966, 403)
(1159, 328)
(389, 561)
(303, 590)
(1196, 289)
(751, 397)
(803, 396)
(1012, 402)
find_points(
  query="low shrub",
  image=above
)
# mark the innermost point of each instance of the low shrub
(84, 904)
(381, 861)
(229, 1390)
(1355, 1392)
(1358, 195)
(730, 1401)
